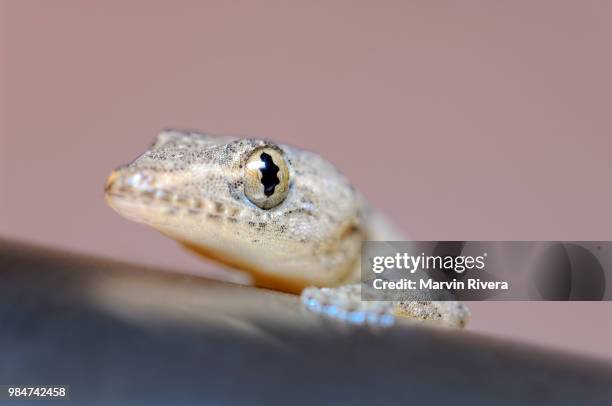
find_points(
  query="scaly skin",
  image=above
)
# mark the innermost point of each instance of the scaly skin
(191, 187)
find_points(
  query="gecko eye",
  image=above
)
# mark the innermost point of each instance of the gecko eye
(266, 178)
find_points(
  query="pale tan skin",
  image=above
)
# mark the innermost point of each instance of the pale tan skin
(191, 187)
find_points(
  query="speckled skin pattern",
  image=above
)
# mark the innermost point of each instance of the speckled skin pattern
(190, 187)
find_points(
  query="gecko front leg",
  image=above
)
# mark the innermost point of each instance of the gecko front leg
(345, 303)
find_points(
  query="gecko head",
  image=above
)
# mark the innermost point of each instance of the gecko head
(286, 216)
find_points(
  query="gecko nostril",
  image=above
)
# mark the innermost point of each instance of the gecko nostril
(124, 178)
(110, 181)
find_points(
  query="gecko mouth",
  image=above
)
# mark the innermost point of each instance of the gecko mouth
(137, 190)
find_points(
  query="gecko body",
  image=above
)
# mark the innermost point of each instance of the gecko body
(286, 216)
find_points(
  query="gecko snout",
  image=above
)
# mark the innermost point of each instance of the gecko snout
(111, 181)
(126, 179)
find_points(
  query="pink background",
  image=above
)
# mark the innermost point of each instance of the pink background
(460, 119)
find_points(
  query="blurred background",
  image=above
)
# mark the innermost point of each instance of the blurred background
(460, 120)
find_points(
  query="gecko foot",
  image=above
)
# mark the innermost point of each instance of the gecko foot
(445, 313)
(344, 303)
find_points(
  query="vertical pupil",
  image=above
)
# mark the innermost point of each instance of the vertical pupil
(269, 174)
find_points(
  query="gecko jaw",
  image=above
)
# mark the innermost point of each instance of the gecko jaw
(130, 192)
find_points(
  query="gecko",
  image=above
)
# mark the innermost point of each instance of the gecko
(285, 216)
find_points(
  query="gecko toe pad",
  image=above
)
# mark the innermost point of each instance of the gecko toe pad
(344, 303)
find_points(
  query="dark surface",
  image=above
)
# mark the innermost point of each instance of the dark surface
(118, 332)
